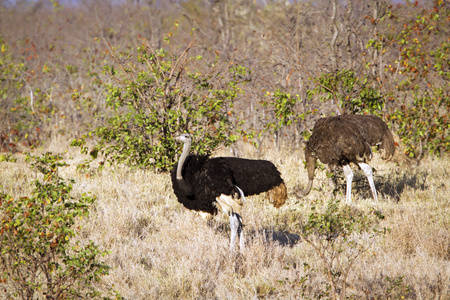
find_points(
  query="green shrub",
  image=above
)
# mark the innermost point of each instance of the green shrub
(351, 94)
(418, 68)
(38, 255)
(160, 94)
(339, 235)
(23, 109)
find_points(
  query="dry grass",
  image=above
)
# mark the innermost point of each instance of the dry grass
(160, 250)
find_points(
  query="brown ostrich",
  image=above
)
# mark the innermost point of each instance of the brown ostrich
(210, 184)
(341, 140)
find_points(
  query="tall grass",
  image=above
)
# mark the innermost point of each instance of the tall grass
(160, 250)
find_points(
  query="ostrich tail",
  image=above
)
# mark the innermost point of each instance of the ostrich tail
(277, 195)
(388, 146)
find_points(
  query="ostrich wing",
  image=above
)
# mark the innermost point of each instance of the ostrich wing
(213, 181)
(337, 142)
(252, 176)
(374, 131)
(370, 127)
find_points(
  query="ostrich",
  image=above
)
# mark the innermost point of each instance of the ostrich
(208, 184)
(341, 140)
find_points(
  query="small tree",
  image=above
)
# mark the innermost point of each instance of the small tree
(416, 75)
(348, 92)
(24, 109)
(38, 257)
(15, 113)
(339, 236)
(159, 94)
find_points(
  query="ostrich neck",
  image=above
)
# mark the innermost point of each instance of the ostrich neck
(186, 147)
(310, 165)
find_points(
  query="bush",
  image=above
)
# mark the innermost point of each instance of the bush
(339, 236)
(23, 110)
(38, 255)
(159, 94)
(350, 93)
(418, 68)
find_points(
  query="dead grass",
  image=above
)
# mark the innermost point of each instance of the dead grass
(160, 250)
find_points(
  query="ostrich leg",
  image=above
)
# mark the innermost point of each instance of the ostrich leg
(368, 171)
(349, 177)
(230, 205)
(236, 224)
(236, 229)
(239, 229)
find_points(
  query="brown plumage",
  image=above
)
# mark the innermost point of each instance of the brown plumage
(341, 140)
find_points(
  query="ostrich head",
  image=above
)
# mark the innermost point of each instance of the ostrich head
(184, 138)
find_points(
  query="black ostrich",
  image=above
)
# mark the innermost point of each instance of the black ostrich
(208, 184)
(341, 140)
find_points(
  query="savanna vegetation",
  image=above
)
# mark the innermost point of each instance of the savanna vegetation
(92, 94)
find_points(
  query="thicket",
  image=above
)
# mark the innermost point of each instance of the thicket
(420, 73)
(132, 87)
(40, 256)
(339, 235)
(161, 93)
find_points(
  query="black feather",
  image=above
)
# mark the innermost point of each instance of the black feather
(208, 178)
